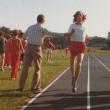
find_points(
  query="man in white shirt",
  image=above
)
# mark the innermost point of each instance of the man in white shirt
(35, 35)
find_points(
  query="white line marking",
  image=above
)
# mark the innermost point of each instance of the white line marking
(102, 63)
(33, 99)
(88, 87)
(106, 59)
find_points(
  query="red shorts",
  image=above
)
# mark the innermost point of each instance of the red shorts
(77, 48)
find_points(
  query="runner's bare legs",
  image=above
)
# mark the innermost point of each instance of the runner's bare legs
(78, 65)
(75, 67)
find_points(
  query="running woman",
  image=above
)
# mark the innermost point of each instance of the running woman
(77, 46)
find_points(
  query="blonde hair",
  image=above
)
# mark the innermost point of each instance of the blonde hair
(77, 13)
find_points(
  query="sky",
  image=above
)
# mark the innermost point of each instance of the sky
(58, 13)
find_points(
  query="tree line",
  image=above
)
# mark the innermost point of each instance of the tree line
(96, 41)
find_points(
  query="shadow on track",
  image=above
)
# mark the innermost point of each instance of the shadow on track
(100, 100)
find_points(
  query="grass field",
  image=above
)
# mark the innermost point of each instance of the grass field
(100, 52)
(11, 101)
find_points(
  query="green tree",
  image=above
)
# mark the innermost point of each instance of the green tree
(98, 42)
(108, 40)
(5, 31)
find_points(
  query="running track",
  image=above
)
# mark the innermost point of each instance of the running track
(93, 89)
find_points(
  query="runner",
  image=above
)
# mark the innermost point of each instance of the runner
(77, 46)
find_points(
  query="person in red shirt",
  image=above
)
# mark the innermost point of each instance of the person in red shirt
(50, 47)
(15, 47)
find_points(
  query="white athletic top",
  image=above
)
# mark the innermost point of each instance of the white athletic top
(79, 35)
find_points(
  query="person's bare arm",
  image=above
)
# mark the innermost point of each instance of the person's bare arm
(68, 35)
(88, 37)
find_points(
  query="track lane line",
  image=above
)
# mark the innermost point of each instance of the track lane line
(88, 86)
(34, 98)
(106, 59)
(102, 63)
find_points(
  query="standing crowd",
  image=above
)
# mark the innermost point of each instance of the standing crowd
(11, 50)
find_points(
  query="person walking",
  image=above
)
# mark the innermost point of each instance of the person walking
(15, 46)
(35, 35)
(50, 48)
